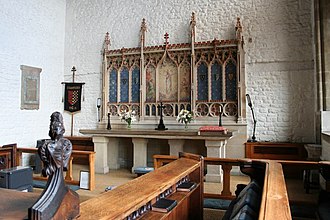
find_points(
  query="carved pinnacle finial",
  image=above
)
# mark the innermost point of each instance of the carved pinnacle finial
(107, 42)
(238, 29)
(166, 37)
(193, 19)
(193, 27)
(143, 31)
(144, 25)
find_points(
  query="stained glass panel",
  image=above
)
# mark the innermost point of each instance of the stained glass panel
(202, 82)
(216, 81)
(231, 81)
(136, 84)
(113, 86)
(124, 85)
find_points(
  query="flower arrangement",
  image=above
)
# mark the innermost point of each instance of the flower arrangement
(127, 116)
(185, 117)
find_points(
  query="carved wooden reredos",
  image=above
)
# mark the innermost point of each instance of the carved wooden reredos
(203, 77)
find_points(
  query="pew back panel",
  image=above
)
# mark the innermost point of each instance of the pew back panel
(81, 144)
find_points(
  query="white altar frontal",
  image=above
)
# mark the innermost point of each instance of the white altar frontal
(106, 144)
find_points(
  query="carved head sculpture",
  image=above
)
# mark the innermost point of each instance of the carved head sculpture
(56, 127)
(55, 153)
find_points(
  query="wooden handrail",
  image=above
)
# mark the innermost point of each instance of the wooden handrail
(68, 177)
(275, 200)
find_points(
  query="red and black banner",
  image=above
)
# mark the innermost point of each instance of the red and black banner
(72, 97)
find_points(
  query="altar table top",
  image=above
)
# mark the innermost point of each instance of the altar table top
(158, 134)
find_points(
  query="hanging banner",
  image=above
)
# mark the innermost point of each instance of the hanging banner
(72, 97)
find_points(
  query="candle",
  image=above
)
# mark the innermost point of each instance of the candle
(220, 113)
(98, 103)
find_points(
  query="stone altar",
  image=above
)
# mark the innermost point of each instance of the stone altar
(107, 140)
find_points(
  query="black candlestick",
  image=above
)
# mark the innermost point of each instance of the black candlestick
(220, 120)
(98, 105)
(109, 125)
(161, 125)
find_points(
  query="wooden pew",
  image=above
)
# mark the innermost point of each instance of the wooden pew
(8, 156)
(68, 178)
(134, 199)
(274, 203)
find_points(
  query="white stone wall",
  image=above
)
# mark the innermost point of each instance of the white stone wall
(32, 33)
(278, 44)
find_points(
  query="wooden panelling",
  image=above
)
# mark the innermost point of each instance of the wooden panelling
(275, 151)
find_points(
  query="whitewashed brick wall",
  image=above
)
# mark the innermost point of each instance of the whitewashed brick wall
(278, 44)
(32, 33)
(55, 35)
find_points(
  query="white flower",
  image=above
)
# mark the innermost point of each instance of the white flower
(128, 117)
(184, 116)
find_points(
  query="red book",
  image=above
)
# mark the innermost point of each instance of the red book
(212, 130)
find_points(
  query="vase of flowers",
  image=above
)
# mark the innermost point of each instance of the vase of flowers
(128, 117)
(185, 117)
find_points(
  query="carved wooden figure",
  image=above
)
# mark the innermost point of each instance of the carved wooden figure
(57, 201)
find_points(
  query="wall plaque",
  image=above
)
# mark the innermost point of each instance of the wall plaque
(30, 87)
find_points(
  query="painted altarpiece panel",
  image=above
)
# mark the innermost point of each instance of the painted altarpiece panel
(168, 81)
(185, 82)
(204, 77)
(151, 83)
